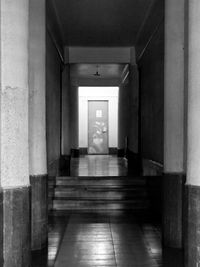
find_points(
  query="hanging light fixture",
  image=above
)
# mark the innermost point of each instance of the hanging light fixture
(97, 74)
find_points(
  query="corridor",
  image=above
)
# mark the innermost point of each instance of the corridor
(100, 133)
(115, 238)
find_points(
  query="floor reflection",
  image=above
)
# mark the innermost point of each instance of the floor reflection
(105, 239)
(98, 165)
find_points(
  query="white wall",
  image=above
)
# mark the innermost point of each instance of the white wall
(98, 93)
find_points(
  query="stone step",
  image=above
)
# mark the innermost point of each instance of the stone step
(65, 181)
(99, 205)
(99, 193)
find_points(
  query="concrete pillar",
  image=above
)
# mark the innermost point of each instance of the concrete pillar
(192, 195)
(74, 120)
(37, 124)
(173, 179)
(123, 118)
(65, 138)
(134, 163)
(14, 179)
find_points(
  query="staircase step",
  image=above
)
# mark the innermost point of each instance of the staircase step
(99, 205)
(99, 193)
(101, 181)
(96, 194)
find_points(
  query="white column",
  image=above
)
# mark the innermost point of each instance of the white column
(173, 179)
(74, 118)
(14, 157)
(193, 155)
(174, 87)
(123, 117)
(192, 189)
(134, 106)
(14, 93)
(65, 111)
(37, 122)
(37, 91)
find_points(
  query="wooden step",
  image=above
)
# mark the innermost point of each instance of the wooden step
(99, 193)
(99, 205)
(89, 193)
(99, 181)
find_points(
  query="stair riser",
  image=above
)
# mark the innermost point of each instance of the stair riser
(100, 195)
(97, 183)
(105, 206)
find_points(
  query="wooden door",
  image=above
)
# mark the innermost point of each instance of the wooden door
(98, 127)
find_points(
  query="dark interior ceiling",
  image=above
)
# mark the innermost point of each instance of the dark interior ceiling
(106, 71)
(101, 22)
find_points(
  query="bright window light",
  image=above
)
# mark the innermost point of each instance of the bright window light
(98, 91)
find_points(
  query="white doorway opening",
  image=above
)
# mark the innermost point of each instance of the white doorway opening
(109, 94)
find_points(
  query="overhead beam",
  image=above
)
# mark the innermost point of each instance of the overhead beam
(99, 54)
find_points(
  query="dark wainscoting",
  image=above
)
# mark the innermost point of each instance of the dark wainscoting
(134, 163)
(191, 225)
(121, 152)
(113, 151)
(173, 188)
(65, 165)
(1, 227)
(83, 150)
(151, 168)
(39, 211)
(16, 227)
(75, 153)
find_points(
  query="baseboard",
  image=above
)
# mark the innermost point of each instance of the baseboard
(39, 211)
(65, 164)
(121, 152)
(83, 150)
(134, 162)
(151, 168)
(75, 153)
(113, 151)
(16, 226)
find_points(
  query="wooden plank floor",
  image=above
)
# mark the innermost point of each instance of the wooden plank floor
(98, 165)
(111, 238)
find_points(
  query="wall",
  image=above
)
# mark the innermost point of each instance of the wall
(123, 115)
(150, 59)
(66, 146)
(112, 114)
(53, 85)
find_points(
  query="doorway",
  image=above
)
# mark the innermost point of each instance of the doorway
(97, 127)
(103, 101)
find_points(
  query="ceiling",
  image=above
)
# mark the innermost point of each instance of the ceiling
(82, 73)
(101, 22)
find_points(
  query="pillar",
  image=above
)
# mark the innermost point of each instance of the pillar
(192, 206)
(14, 179)
(174, 173)
(37, 124)
(65, 136)
(74, 120)
(123, 118)
(134, 161)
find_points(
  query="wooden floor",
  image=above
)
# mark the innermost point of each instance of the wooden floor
(98, 165)
(109, 238)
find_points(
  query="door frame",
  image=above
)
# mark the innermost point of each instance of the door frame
(101, 100)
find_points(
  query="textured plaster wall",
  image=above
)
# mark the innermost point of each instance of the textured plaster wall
(53, 83)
